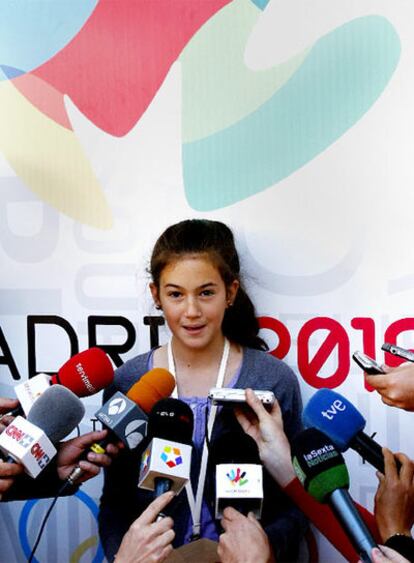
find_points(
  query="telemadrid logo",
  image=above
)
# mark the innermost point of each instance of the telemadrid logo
(171, 456)
(236, 478)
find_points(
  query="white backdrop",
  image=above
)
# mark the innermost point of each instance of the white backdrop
(328, 239)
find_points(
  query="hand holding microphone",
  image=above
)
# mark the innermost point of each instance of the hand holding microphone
(31, 442)
(266, 429)
(70, 453)
(396, 386)
(243, 540)
(394, 500)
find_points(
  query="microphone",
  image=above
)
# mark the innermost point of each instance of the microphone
(125, 416)
(334, 415)
(31, 442)
(85, 374)
(323, 473)
(239, 473)
(166, 463)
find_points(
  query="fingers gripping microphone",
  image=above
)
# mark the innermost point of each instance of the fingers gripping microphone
(165, 465)
(31, 442)
(125, 416)
(323, 473)
(85, 374)
(334, 415)
(239, 473)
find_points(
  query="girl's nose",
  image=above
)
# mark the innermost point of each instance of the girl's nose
(192, 308)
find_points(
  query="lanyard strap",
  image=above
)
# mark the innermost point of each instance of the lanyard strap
(195, 503)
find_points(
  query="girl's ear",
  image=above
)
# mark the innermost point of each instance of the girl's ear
(232, 292)
(154, 293)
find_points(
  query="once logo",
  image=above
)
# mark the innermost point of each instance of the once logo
(116, 406)
(236, 478)
(337, 406)
(171, 456)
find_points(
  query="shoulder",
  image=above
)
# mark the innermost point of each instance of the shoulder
(130, 372)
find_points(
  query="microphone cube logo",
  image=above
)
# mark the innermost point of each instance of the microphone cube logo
(116, 406)
(237, 478)
(145, 461)
(171, 456)
(135, 433)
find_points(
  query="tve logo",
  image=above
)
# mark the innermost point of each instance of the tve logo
(337, 406)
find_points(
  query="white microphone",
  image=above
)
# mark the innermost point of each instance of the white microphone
(52, 417)
(29, 391)
(23, 442)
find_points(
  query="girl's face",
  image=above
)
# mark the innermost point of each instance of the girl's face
(193, 298)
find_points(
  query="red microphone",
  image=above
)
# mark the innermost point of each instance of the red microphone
(86, 373)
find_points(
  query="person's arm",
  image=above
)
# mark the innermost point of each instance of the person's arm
(50, 481)
(394, 503)
(243, 540)
(266, 428)
(396, 387)
(148, 539)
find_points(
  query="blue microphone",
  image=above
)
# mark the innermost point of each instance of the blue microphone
(335, 416)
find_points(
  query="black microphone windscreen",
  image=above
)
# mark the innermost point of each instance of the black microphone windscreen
(234, 447)
(57, 412)
(171, 419)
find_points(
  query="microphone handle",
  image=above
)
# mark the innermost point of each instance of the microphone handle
(370, 450)
(350, 519)
(161, 485)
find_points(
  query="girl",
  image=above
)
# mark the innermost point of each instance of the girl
(196, 282)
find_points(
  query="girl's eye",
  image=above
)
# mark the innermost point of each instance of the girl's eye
(207, 292)
(174, 294)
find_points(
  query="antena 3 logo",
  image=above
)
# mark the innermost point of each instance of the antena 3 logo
(116, 406)
(135, 433)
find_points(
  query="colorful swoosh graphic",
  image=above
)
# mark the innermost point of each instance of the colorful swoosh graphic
(243, 130)
(336, 83)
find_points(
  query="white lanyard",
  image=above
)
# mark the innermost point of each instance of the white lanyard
(195, 503)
